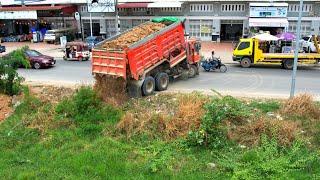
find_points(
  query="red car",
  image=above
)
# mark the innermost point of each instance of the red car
(38, 60)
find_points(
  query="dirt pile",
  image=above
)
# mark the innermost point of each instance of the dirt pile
(111, 89)
(51, 94)
(5, 109)
(301, 105)
(134, 35)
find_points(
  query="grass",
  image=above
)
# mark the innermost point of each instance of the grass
(69, 141)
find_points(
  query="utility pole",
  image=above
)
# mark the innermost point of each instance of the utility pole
(295, 63)
(117, 17)
(91, 34)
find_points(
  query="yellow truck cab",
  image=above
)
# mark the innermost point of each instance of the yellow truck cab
(247, 52)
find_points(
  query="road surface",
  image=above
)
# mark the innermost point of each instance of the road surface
(258, 81)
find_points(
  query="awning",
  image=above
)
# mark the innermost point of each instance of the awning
(164, 4)
(133, 5)
(34, 8)
(268, 22)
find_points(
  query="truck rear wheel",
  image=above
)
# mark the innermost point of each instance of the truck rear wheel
(148, 86)
(193, 71)
(288, 64)
(245, 62)
(162, 81)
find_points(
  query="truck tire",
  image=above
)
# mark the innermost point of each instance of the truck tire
(288, 64)
(162, 81)
(148, 86)
(245, 62)
(193, 71)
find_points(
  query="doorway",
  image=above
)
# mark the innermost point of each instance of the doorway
(231, 30)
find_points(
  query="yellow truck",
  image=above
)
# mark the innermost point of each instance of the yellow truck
(248, 53)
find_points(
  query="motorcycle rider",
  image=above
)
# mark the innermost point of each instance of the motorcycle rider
(213, 60)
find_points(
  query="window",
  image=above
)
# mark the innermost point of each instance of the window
(305, 27)
(232, 7)
(201, 7)
(243, 45)
(172, 9)
(140, 9)
(295, 8)
(84, 8)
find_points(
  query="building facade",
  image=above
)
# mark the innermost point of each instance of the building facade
(211, 20)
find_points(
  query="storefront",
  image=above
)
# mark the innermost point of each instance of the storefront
(18, 23)
(231, 30)
(270, 17)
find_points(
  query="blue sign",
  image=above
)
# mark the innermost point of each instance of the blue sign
(268, 11)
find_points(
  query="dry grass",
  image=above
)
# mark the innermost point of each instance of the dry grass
(249, 134)
(186, 115)
(41, 121)
(301, 105)
(112, 90)
(5, 109)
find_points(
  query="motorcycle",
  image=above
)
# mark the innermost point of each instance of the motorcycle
(213, 64)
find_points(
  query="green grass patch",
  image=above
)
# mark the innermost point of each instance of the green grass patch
(78, 140)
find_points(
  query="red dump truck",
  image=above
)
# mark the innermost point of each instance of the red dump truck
(148, 64)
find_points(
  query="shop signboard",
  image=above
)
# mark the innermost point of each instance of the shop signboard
(18, 15)
(206, 29)
(268, 11)
(101, 6)
(63, 41)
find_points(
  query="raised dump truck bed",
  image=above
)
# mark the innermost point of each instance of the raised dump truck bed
(163, 53)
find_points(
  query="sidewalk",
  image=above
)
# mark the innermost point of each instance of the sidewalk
(223, 50)
(47, 49)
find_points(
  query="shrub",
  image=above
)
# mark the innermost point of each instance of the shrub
(87, 110)
(10, 81)
(302, 106)
(211, 131)
(269, 161)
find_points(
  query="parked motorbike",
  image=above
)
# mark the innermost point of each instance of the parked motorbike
(213, 64)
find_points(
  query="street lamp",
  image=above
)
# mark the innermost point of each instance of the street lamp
(295, 63)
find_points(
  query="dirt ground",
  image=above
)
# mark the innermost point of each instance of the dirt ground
(5, 107)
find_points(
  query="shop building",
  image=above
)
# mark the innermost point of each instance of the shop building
(215, 20)
(18, 23)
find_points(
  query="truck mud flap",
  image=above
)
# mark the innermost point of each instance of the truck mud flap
(134, 88)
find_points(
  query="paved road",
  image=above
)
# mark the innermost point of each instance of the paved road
(257, 81)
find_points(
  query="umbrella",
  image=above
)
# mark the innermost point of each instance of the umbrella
(266, 37)
(286, 36)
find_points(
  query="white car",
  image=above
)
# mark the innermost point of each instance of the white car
(308, 44)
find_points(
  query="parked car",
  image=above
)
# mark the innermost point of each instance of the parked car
(308, 44)
(93, 40)
(2, 49)
(38, 60)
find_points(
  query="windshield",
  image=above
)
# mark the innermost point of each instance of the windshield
(306, 38)
(33, 53)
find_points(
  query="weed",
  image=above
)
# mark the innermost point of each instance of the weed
(167, 120)
(87, 110)
(249, 134)
(269, 161)
(211, 131)
(266, 106)
(301, 105)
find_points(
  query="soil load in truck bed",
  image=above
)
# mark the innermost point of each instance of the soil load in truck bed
(134, 35)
